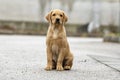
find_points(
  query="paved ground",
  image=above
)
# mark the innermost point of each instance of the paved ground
(108, 61)
(24, 58)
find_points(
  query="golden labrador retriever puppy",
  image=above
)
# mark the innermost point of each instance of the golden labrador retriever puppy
(59, 56)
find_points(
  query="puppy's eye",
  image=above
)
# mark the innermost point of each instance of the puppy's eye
(60, 15)
(54, 14)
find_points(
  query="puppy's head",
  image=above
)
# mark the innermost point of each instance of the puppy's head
(56, 17)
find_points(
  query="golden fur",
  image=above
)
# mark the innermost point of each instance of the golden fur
(59, 56)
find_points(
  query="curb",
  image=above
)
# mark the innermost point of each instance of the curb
(112, 39)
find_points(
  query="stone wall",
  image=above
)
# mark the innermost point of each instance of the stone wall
(34, 28)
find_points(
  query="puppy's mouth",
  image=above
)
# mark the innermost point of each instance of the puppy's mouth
(57, 21)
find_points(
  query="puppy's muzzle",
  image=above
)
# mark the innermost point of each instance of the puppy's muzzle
(57, 20)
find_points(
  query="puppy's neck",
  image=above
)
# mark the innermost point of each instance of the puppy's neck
(56, 30)
(57, 27)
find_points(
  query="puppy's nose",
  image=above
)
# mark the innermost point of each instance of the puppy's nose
(57, 19)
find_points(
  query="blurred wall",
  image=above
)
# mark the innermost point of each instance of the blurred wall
(30, 13)
(80, 11)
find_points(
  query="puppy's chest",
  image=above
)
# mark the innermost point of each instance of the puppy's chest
(55, 34)
(55, 41)
(55, 51)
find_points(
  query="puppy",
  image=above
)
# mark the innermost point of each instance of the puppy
(59, 56)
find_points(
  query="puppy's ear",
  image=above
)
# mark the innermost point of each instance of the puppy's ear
(65, 17)
(48, 16)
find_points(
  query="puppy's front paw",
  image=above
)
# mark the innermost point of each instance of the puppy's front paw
(59, 68)
(67, 67)
(48, 68)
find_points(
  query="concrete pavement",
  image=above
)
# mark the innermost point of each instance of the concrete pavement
(24, 58)
(108, 61)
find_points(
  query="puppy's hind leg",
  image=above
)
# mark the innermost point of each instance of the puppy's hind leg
(68, 62)
(53, 64)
